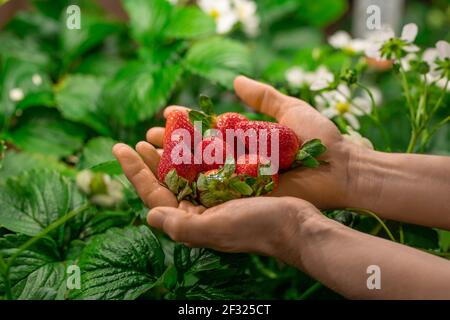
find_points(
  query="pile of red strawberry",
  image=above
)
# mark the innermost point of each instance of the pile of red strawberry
(228, 173)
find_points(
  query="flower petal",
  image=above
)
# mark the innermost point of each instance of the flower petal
(352, 120)
(330, 113)
(409, 32)
(443, 48)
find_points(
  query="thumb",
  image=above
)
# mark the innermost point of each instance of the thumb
(264, 98)
(180, 225)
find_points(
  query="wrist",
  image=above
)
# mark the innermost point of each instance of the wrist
(302, 224)
(365, 177)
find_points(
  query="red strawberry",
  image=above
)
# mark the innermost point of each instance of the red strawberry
(228, 120)
(214, 151)
(177, 169)
(250, 166)
(288, 141)
(177, 119)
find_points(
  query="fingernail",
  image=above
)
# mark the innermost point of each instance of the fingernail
(156, 218)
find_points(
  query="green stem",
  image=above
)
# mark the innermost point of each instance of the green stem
(33, 240)
(412, 141)
(407, 95)
(261, 268)
(305, 295)
(372, 214)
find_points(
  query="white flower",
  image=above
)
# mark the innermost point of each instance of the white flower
(321, 79)
(339, 103)
(437, 75)
(297, 77)
(36, 79)
(356, 138)
(222, 13)
(315, 80)
(246, 13)
(101, 189)
(405, 62)
(343, 40)
(16, 94)
(379, 39)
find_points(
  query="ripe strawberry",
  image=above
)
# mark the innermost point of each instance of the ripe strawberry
(288, 141)
(214, 152)
(177, 119)
(178, 170)
(228, 120)
(249, 168)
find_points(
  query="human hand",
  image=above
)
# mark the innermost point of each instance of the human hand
(264, 225)
(327, 186)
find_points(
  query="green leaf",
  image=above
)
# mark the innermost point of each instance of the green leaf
(18, 75)
(109, 167)
(148, 19)
(444, 240)
(77, 99)
(76, 42)
(138, 91)
(219, 60)
(190, 22)
(15, 163)
(421, 237)
(120, 264)
(34, 200)
(38, 272)
(97, 151)
(47, 133)
(321, 13)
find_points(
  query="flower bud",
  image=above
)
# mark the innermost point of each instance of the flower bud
(100, 188)
(349, 76)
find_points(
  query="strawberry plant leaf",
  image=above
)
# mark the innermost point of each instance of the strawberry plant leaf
(120, 264)
(148, 19)
(14, 163)
(77, 99)
(96, 151)
(219, 60)
(45, 130)
(38, 272)
(138, 91)
(190, 22)
(35, 199)
(76, 42)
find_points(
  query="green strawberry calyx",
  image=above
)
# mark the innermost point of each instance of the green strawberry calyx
(222, 185)
(180, 186)
(308, 153)
(206, 116)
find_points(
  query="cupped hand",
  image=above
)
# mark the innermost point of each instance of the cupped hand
(327, 186)
(265, 225)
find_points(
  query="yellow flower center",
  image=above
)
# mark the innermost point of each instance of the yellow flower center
(214, 13)
(343, 107)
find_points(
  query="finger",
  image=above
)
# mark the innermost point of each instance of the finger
(149, 154)
(151, 192)
(180, 225)
(169, 109)
(189, 207)
(264, 98)
(160, 151)
(155, 136)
